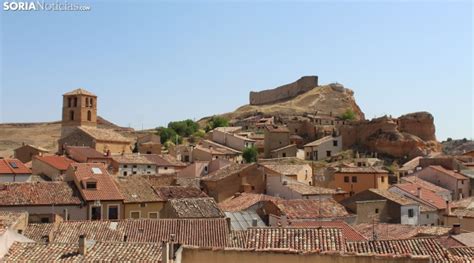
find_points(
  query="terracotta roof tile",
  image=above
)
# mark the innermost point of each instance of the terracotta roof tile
(79, 92)
(394, 197)
(275, 128)
(36, 232)
(464, 252)
(176, 192)
(287, 169)
(131, 159)
(83, 152)
(423, 183)
(55, 161)
(204, 207)
(348, 231)
(136, 189)
(244, 201)
(38, 193)
(427, 196)
(106, 187)
(226, 171)
(164, 160)
(13, 166)
(361, 170)
(311, 209)
(399, 231)
(305, 189)
(448, 172)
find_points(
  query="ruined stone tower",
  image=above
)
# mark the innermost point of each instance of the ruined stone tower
(79, 109)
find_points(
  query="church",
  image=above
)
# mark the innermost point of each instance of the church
(79, 126)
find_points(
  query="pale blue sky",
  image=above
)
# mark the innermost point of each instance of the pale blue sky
(151, 63)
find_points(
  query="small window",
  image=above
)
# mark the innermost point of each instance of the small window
(328, 153)
(13, 165)
(346, 179)
(382, 179)
(284, 154)
(376, 210)
(148, 166)
(334, 143)
(125, 173)
(45, 220)
(135, 214)
(134, 166)
(166, 167)
(91, 185)
(153, 215)
(427, 216)
(125, 166)
(134, 172)
(354, 179)
(143, 205)
(411, 213)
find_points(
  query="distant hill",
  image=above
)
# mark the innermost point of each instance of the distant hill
(455, 147)
(43, 134)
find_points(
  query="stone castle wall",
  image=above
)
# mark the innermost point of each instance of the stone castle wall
(284, 92)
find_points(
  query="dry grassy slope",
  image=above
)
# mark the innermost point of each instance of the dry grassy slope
(323, 99)
(44, 134)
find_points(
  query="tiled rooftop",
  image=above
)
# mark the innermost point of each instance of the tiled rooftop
(465, 252)
(13, 166)
(244, 201)
(425, 184)
(38, 193)
(226, 171)
(275, 128)
(55, 161)
(204, 207)
(136, 189)
(319, 141)
(348, 231)
(104, 134)
(164, 160)
(305, 189)
(450, 173)
(131, 159)
(83, 152)
(79, 92)
(361, 170)
(399, 231)
(311, 209)
(427, 196)
(177, 192)
(394, 197)
(287, 169)
(106, 187)
(96, 252)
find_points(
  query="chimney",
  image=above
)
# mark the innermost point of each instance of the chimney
(448, 207)
(254, 222)
(456, 230)
(82, 245)
(229, 225)
(418, 192)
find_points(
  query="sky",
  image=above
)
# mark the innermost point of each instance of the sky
(154, 62)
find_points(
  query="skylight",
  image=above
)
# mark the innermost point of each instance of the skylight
(13, 165)
(96, 170)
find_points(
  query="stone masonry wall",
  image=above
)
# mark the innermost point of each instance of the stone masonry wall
(284, 92)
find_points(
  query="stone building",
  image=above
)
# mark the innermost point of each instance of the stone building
(26, 152)
(323, 148)
(149, 144)
(358, 179)
(79, 109)
(54, 167)
(277, 142)
(284, 92)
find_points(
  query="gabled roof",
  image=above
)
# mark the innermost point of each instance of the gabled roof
(38, 193)
(275, 128)
(83, 152)
(385, 231)
(425, 184)
(348, 231)
(450, 173)
(164, 160)
(131, 158)
(137, 189)
(244, 201)
(106, 187)
(58, 162)
(466, 239)
(104, 134)
(320, 141)
(13, 166)
(243, 220)
(361, 170)
(204, 207)
(287, 169)
(226, 171)
(427, 196)
(38, 148)
(394, 197)
(305, 189)
(79, 92)
(96, 252)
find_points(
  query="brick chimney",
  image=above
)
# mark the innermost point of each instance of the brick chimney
(456, 230)
(82, 245)
(448, 207)
(418, 192)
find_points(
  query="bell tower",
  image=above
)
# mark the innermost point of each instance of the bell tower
(79, 109)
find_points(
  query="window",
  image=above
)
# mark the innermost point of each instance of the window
(411, 213)
(351, 193)
(134, 172)
(75, 102)
(13, 165)
(346, 179)
(125, 166)
(382, 179)
(113, 212)
(148, 166)
(354, 179)
(153, 215)
(143, 205)
(134, 166)
(96, 212)
(166, 167)
(296, 130)
(135, 214)
(69, 104)
(376, 210)
(89, 115)
(125, 173)
(91, 102)
(91, 185)
(71, 115)
(334, 143)
(45, 220)
(427, 216)
(283, 155)
(328, 153)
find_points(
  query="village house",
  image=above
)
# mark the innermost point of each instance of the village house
(44, 201)
(140, 199)
(357, 179)
(201, 207)
(54, 167)
(132, 164)
(85, 154)
(26, 152)
(409, 167)
(290, 189)
(367, 162)
(277, 142)
(13, 170)
(383, 206)
(12, 225)
(165, 163)
(451, 180)
(149, 144)
(228, 136)
(285, 212)
(208, 150)
(276, 172)
(234, 178)
(246, 202)
(102, 197)
(182, 153)
(323, 148)
(432, 205)
(444, 193)
(469, 173)
(460, 212)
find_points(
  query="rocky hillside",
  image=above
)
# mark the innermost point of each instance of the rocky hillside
(323, 99)
(43, 134)
(456, 147)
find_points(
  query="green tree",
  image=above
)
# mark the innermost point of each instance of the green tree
(184, 128)
(250, 154)
(348, 115)
(167, 134)
(217, 121)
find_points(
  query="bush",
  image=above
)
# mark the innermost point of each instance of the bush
(184, 128)
(217, 121)
(348, 115)
(250, 154)
(167, 134)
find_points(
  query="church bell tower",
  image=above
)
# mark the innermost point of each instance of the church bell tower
(79, 109)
